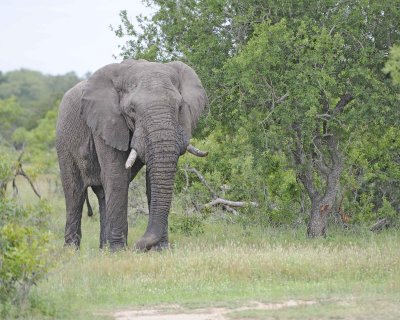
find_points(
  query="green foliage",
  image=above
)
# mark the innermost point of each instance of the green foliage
(10, 113)
(39, 143)
(237, 172)
(34, 92)
(387, 210)
(188, 225)
(24, 245)
(392, 66)
(23, 256)
(5, 171)
(28, 109)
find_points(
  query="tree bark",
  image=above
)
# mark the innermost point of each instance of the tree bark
(321, 206)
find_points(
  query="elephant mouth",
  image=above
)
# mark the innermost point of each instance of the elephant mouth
(190, 148)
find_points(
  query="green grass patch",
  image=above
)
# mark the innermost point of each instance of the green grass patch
(224, 265)
(350, 274)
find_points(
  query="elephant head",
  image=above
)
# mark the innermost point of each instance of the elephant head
(150, 109)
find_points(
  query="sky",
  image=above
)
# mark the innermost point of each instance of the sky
(59, 36)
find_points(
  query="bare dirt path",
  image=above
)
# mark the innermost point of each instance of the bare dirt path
(176, 312)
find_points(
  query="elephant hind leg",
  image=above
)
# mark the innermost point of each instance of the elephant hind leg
(99, 191)
(89, 207)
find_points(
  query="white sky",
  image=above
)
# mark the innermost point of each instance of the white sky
(58, 36)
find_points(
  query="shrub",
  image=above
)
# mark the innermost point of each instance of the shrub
(24, 246)
(23, 262)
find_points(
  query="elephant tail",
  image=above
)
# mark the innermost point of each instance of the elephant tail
(89, 207)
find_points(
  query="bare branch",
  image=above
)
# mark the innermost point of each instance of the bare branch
(320, 163)
(21, 172)
(283, 98)
(226, 204)
(203, 181)
(218, 201)
(186, 178)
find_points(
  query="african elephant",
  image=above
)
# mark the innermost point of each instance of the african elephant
(125, 116)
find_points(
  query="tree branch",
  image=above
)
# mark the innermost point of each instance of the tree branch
(20, 172)
(203, 181)
(300, 158)
(226, 204)
(345, 99)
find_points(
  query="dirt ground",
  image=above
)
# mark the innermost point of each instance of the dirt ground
(176, 312)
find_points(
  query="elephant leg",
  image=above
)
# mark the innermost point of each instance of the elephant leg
(115, 181)
(116, 196)
(75, 195)
(99, 191)
(163, 243)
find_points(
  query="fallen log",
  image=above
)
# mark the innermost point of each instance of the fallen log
(218, 201)
(380, 225)
(226, 204)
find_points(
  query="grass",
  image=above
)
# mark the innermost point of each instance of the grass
(349, 275)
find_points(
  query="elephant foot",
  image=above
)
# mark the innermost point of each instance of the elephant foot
(71, 245)
(147, 243)
(72, 242)
(117, 247)
(162, 245)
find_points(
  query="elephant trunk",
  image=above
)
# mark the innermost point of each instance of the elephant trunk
(161, 180)
(163, 148)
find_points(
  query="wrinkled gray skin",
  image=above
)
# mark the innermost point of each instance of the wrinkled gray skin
(150, 107)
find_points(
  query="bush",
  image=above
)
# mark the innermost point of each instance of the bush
(23, 261)
(24, 246)
(188, 225)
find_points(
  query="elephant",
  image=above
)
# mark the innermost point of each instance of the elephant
(125, 116)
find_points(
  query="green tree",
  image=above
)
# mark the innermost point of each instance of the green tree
(303, 79)
(39, 143)
(34, 92)
(10, 113)
(315, 96)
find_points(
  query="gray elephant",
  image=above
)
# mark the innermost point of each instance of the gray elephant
(125, 116)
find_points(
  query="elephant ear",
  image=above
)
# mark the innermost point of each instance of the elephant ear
(193, 94)
(100, 106)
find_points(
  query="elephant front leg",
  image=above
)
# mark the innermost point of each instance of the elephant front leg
(116, 230)
(115, 181)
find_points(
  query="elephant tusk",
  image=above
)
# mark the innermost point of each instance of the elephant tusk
(193, 150)
(131, 159)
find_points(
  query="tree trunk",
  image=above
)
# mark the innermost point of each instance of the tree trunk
(321, 207)
(317, 226)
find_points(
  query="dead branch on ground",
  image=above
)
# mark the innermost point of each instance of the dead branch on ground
(216, 199)
(380, 225)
